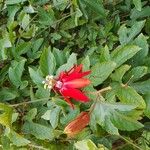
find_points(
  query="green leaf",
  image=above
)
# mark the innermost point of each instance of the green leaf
(105, 54)
(111, 95)
(42, 93)
(47, 62)
(15, 73)
(86, 145)
(119, 73)
(55, 37)
(68, 24)
(59, 56)
(96, 6)
(46, 18)
(24, 21)
(5, 142)
(12, 10)
(126, 35)
(31, 114)
(53, 116)
(147, 110)
(112, 117)
(140, 41)
(60, 4)
(39, 131)
(29, 9)
(60, 102)
(101, 71)
(86, 63)
(5, 115)
(3, 74)
(78, 14)
(70, 116)
(29, 33)
(17, 139)
(142, 87)
(128, 95)
(10, 2)
(22, 48)
(7, 94)
(4, 43)
(122, 53)
(35, 52)
(46, 115)
(145, 12)
(138, 4)
(35, 76)
(72, 60)
(136, 73)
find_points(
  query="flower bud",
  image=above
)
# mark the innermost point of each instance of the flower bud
(78, 124)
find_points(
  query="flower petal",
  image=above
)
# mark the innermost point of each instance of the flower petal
(62, 75)
(69, 102)
(76, 69)
(76, 75)
(77, 83)
(74, 93)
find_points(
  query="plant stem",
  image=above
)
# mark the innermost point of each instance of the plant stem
(54, 23)
(37, 147)
(29, 102)
(129, 142)
(98, 93)
(101, 91)
(93, 105)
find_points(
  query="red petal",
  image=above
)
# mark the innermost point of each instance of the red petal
(76, 69)
(77, 83)
(74, 93)
(62, 75)
(69, 102)
(75, 76)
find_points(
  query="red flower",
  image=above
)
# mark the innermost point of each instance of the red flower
(68, 84)
(78, 124)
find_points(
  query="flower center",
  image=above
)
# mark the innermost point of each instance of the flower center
(59, 84)
(49, 82)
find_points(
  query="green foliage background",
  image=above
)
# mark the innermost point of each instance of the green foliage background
(41, 37)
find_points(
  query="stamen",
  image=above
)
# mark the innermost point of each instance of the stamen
(49, 82)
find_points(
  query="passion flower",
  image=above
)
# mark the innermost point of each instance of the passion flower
(68, 84)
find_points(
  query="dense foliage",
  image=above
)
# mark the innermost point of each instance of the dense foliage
(45, 37)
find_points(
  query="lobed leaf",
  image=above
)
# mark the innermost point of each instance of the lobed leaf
(111, 117)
